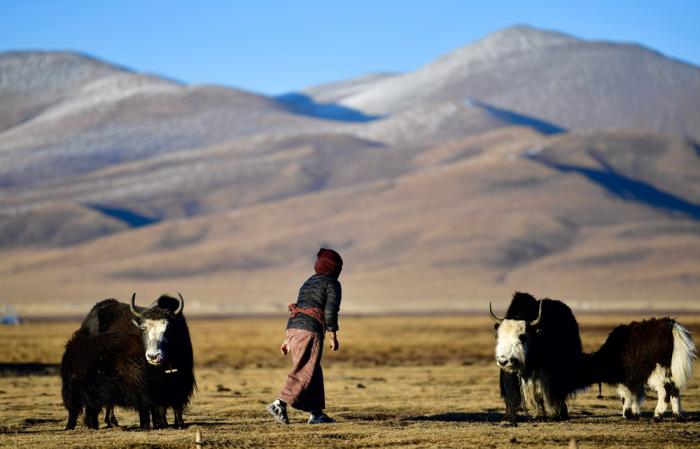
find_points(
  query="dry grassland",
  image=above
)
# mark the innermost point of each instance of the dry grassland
(396, 382)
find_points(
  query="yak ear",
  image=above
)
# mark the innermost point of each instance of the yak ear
(137, 322)
(495, 326)
(539, 331)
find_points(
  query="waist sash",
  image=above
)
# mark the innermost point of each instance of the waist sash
(316, 313)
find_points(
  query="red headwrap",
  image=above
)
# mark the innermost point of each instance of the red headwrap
(328, 262)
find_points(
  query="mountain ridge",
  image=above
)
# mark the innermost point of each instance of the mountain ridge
(114, 180)
(585, 79)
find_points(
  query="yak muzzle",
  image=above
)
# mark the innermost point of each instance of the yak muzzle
(154, 359)
(508, 364)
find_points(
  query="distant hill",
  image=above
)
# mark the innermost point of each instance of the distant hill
(574, 83)
(92, 115)
(529, 160)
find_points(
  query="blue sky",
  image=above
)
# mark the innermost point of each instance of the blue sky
(279, 46)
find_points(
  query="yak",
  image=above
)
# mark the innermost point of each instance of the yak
(537, 344)
(657, 353)
(133, 357)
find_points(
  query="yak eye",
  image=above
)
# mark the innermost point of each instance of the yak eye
(523, 338)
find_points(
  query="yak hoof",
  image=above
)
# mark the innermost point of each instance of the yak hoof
(679, 418)
(510, 417)
(112, 423)
(559, 418)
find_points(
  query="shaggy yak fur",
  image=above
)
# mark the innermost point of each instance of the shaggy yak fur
(105, 365)
(539, 343)
(542, 362)
(657, 353)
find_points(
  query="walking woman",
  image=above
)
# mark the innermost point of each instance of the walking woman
(315, 312)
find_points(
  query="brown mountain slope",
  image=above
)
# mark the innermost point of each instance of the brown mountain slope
(452, 235)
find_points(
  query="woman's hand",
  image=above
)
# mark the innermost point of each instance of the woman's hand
(334, 341)
(285, 347)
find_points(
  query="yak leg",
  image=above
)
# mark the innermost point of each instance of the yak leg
(72, 418)
(113, 418)
(179, 422)
(629, 402)
(108, 410)
(558, 411)
(637, 402)
(91, 419)
(555, 408)
(674, 394)
(676, 406)
(532, 396)
(510, 392)
(144, 418)
(661, 404)
(160, 420)
(658, 380)
(110, 419)
(74, 402)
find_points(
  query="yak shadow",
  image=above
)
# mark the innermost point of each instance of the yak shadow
(26, 369)
(209, 423)
(645, 417)
(687, 417)
(369, 417)
(477, 417)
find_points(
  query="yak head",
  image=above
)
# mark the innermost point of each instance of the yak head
(157, 323)
(514, 340)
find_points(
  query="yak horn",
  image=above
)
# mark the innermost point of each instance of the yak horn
(132, 306)
(493, 315)
(181, 305)
(539, 315)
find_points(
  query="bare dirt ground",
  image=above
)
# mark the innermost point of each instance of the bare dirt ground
(396, 382)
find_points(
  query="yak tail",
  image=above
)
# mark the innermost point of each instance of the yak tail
(684, 353)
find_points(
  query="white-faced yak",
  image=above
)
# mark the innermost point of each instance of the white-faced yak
(133, 357)
(537, 344)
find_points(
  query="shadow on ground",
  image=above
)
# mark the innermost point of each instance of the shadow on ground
(26, 369)
(460, 417)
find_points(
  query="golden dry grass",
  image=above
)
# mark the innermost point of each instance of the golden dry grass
(397, 382)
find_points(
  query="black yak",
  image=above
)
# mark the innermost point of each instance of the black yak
(131, 357)
(537, 344)
(657, 353)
